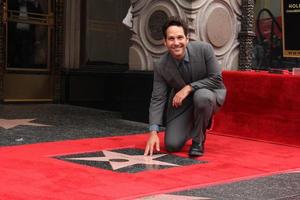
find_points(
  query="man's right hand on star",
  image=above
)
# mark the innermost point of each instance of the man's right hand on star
(153, 142)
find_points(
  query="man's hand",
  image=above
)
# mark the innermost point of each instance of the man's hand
(181, 95)
(152, 142)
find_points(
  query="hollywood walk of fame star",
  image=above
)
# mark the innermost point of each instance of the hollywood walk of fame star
(120, 160)
(172, 197)
(295, 171)
(11, 123)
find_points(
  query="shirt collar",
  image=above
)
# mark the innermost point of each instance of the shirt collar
(186, 58)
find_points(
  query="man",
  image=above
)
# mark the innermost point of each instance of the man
(188, 79)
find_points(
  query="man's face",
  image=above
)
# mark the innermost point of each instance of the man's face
(176, 41)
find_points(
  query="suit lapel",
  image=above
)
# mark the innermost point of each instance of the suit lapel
(174, 73)
(192, 62)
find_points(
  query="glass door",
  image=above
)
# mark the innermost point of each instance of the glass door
(28, 26)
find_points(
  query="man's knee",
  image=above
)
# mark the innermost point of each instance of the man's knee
(173, 146)
(203, 98)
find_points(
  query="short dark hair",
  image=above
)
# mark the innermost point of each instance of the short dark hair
(175, 21)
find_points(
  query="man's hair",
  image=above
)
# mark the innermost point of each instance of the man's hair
(175, 21)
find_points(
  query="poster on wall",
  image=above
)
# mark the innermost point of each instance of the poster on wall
(290, 27)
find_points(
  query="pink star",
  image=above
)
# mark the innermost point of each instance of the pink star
(295, 171)
(171, 197)
(120, 160)
(11, 123)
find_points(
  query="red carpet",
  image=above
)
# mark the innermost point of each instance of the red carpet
(261, 106)
(31, 172)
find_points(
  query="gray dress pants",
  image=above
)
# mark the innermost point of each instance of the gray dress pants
(192, 123)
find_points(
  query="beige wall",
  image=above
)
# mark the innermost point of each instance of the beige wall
(273, 5)
(216, 22)
(105, 38)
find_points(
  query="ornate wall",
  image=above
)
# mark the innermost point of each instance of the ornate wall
(215, 21)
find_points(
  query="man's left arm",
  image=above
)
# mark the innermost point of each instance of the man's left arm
(214, 72)
(181, 95)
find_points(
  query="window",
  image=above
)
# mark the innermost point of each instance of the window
(268, 51)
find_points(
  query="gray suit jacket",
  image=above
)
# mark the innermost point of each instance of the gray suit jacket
(206, 73)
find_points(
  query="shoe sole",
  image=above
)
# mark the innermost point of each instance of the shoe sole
(195, 154)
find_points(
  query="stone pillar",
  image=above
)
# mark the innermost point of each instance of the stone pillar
(72, 35)
(215, 22)
(247, 34)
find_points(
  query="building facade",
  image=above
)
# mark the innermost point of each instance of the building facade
(99, 53)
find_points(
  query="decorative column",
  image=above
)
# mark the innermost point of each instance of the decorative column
(72, 37)
(59, 50)
(246, 35)
(147, 39)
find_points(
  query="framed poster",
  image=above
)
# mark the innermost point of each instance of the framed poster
(290, 29)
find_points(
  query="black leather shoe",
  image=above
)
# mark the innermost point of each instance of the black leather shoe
(196, 149)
